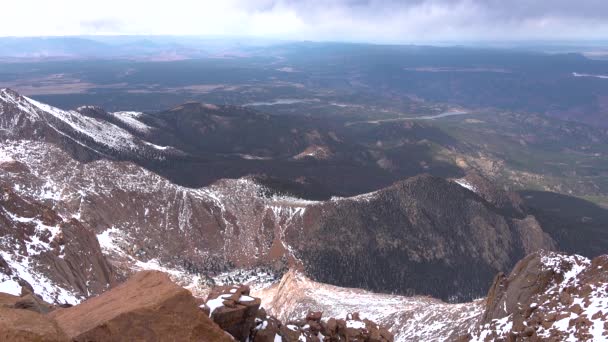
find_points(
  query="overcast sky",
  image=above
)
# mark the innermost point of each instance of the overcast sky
(342, 20)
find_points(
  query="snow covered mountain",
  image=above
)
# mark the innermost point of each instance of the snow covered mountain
(145, 220)
(88, 132)
(85, 203)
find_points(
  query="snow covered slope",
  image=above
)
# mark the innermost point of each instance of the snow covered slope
(409, 318)
(23, 117)
(58, 259)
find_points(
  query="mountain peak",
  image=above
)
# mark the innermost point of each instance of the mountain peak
(8, 95)
(16, 110)
(10, 92)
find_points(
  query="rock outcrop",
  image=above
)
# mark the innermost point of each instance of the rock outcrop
(550, 297)
(233, 310)
(27, 301)
(146, 307)
(313, 329)
(547, 297)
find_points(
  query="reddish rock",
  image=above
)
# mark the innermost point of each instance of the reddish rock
(33, 303)
(576, 309)
(148, 307)
(565, 298)
(331, 327)
(18, 325)
(229, 303)
(515, 293)
(8, 300)
(542, 289)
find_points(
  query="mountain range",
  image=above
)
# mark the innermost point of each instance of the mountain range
(223, 194)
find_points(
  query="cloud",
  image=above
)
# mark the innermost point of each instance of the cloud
(101, 26)
(352, 20)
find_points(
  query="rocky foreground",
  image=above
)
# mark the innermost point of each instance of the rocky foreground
(150, 307)
(547, 297)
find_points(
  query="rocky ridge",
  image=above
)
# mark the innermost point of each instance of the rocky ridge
(233, 309)
(61, 196)
(548, 297)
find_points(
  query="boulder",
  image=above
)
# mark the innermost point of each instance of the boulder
(237, 312)
(18, 325)
(266, 329)
(314, 316)
(350, 329)
(147, 307)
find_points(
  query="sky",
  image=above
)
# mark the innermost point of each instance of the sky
(389, 21)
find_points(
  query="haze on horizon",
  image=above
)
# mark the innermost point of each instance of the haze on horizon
(386, 21)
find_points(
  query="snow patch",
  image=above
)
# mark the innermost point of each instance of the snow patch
(466, 184)
(5, 157)
(131, 119)
(100, 131)
(215, 303)
(10, 286)
(355, 324)
(158, 147)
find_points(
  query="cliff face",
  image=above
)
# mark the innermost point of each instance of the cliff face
(58, 259)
